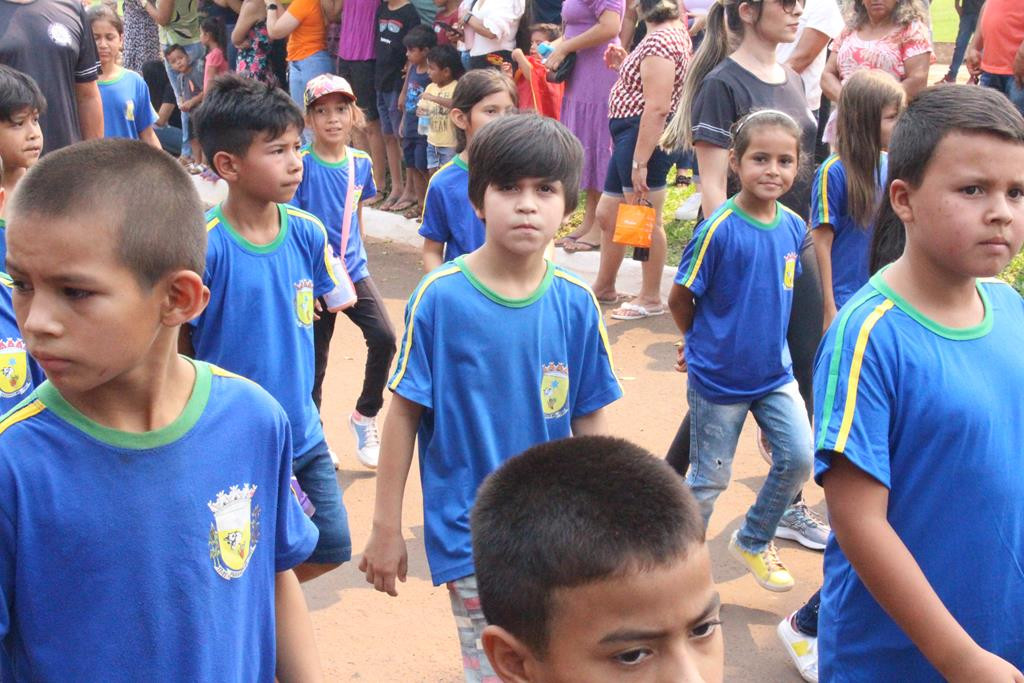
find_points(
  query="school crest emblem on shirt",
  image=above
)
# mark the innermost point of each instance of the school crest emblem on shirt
(235, 530)
(554, 390)
(304, 302)
(13, 367)
(790, 273)
(129, 111)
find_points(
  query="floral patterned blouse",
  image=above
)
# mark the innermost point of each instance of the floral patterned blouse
(888, 53)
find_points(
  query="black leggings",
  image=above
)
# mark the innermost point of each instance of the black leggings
(372, 319)
(804, 335)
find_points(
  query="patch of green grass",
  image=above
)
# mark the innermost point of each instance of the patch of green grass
(678, 232)
(1014, 273)
(945, 21)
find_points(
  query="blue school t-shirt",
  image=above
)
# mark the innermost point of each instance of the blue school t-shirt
(414, 86)
(259, 322)
(448, 216)
(851, 246)
(495, 376)
(127, 557)
(322, 193)
(934, 415)
(127, 109)
(19, 373)
(741, 272)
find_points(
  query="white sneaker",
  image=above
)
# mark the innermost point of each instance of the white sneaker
(367, 439)
(687, 211)
(803, 650)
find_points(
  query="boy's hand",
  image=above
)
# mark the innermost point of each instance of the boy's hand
(984, 667)
(385, 558)
(506, 69)
(973, 60)
(680, 365)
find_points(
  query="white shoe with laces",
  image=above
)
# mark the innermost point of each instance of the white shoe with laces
(367, 439)
(802, 649)
(687, 211)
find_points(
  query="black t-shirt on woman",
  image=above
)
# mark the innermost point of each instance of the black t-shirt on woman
(729, 92)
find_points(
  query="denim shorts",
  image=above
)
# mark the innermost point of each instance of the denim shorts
(619, 180)
(390, 114)
(317, 477)
(439, 156)
(414, 151)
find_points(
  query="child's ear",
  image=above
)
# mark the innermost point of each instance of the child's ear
(899, 196)
(509, 657)
(226, 165)
(734, 163)
(185, 297)
(459, 118)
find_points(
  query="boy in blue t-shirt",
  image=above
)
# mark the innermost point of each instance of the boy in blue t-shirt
(335, 180)
(21, 138)
(446, 218)
(919, 427)
(266, 264)
(147, 526)
(502, 350)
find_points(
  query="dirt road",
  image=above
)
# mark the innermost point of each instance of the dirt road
(368, 636)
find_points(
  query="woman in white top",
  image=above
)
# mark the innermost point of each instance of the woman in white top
(491, 30)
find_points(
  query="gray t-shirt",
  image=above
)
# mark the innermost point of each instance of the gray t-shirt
(50, 40)
(729, 92)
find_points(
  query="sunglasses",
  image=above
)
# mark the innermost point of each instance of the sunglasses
(787, 5)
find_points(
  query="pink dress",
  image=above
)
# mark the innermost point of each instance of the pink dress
(888, 53)
(585, 104)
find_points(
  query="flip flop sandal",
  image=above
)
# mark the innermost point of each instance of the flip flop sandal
(401, 205)
(632, 311)
(372, 201)
(581, 247)
(562, 241)
(413, 212)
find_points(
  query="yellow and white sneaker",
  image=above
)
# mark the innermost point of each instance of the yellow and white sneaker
(766, 566)
(802, 649)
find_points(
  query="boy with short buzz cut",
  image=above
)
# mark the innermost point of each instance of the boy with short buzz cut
(123, 469)
(21, 137)
(266, 264)
(502, 350)
(591, 564)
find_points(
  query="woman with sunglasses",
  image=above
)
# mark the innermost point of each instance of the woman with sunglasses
(721, 87)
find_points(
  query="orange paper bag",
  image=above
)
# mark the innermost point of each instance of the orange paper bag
(634, 225)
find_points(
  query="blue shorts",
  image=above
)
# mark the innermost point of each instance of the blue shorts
(390, 114)
(619, 180)
(414, 151)
(317, 477)
(439, 156)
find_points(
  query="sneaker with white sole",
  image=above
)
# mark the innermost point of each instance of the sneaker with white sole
(802, 649)
(801, 524)
(765, 566)
(367, 439)
(687, 211)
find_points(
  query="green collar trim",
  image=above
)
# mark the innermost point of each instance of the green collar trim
(329, 164)
(458, 161)
(52, 399)
(549, 275)
(120, 74)
(760, 225)
(955, 333)
(251, 246)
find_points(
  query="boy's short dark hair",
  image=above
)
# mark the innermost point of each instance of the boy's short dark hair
(571, 512)
(18, 91)
(550, 31)
(447, 57)
(171, 48)
(525, 146)
(420, 36)
(235, 110)
(142, 191)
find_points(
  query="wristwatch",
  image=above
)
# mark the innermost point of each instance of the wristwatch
(639, 164)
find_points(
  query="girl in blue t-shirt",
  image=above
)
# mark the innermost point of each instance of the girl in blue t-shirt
(449, 226)
(127, 109)
(919, 430)
(846, 189)
(732, 298)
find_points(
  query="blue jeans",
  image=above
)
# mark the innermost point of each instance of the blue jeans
(714, 432)
(1006, 85)
(968, 24)
(301, 71)
(317, 477)
(194, 52)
